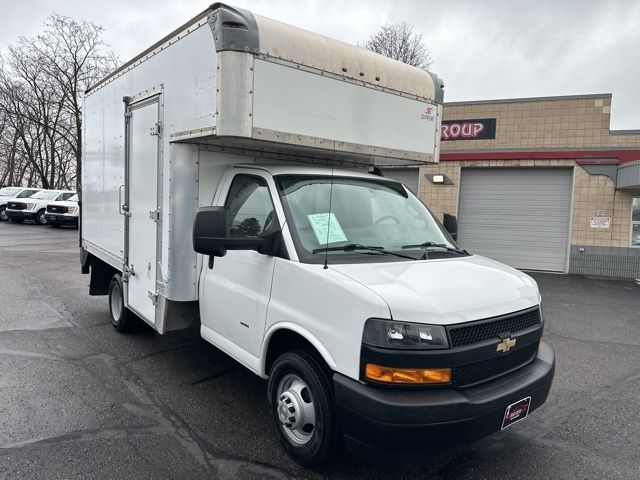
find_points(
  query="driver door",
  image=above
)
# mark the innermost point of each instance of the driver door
(235, 289)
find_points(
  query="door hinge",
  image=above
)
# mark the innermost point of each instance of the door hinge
(155, 215)
(153, 297)
(128, 272)
(156, 129)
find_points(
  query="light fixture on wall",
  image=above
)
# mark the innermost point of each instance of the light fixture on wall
(439, 179)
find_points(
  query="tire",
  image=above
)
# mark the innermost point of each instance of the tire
(299, 383)
(122, 319)
(3, 214)
(41, 217)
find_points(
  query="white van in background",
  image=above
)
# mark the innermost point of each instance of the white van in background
(7, 193)
(34, 208)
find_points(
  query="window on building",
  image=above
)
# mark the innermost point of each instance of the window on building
(635, 222)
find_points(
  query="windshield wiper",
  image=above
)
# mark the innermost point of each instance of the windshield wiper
(356, 246)
(428, 245)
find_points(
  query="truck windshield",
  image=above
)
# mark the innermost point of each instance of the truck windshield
(363, 212)
(8, 191)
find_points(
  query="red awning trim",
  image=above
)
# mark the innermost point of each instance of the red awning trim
(582, 157)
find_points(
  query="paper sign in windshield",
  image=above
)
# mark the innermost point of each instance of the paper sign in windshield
(321, 222)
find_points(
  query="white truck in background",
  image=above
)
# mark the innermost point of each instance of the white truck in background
(8, 193)
(35, 207)
(230, 177)
(63, 212)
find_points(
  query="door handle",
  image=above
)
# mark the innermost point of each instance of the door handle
(122, 209)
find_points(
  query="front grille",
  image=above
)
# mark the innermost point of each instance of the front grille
(16, 205)
(57, 209)
(471, 373)
(490, 329)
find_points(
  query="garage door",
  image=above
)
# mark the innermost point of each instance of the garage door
(518, 216)
(408, 176)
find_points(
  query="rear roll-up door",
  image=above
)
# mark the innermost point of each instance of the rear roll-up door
(518, 216)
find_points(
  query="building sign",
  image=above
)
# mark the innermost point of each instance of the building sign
(481, 129)
(600, 222)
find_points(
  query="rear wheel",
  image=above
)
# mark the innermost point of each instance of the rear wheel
(301, 402)
(122, 318)
(3, 214)
(41, 217)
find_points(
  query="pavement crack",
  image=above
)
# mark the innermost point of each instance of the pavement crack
(214, 376)
(24, 353)
(160, 352)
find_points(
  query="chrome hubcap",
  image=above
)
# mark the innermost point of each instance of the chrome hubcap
(3, 214)
(295, 409)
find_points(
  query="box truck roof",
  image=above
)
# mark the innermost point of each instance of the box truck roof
(236, 29)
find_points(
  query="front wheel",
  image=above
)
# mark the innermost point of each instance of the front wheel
(301, 402)
(41, 217)
(3, 214)
(122, 319)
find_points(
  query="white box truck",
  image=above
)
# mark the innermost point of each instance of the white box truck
(231, 177)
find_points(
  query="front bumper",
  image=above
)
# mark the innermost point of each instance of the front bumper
(62, 219)
(412, 425)
(21, 215)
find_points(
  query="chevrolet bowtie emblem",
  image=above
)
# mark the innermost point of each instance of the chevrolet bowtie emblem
(506, 344)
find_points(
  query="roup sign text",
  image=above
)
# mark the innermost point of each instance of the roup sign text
(480, 129)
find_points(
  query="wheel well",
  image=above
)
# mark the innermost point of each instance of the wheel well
(101, 275)
(284, 341)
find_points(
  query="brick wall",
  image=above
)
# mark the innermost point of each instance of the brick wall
(548, 123)
(576, 123)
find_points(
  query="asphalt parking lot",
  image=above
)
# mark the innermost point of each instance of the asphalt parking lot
(79, 400)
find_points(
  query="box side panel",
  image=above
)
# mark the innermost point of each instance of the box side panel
(102, 175)
(306, 103)
(185, 73)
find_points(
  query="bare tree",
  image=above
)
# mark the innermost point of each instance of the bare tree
(400, 42)
(75, 57)
(42, 80)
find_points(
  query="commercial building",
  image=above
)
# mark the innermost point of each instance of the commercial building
(539, 184)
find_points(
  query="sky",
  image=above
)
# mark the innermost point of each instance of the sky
(482, 49)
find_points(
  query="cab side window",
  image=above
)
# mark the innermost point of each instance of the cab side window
(249, 207)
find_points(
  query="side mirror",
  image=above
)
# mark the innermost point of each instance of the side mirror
(210, 236)
(450, 223)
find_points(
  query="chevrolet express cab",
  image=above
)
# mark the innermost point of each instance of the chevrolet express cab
(245, 195)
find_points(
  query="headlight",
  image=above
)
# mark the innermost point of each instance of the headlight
(30, 206)
(72, 210)
(392, 334)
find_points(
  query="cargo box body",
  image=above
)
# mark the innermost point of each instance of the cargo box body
(230, 87)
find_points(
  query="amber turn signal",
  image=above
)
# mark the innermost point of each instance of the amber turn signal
(407, 375)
